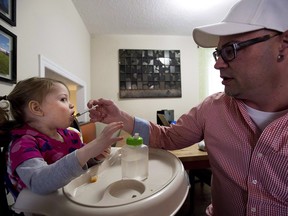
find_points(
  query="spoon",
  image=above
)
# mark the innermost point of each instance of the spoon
(79, 114)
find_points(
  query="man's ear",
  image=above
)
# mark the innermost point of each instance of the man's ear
(35, 108)
(284, 44)
(283, 51)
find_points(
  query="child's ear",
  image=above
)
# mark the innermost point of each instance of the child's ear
(35, 108)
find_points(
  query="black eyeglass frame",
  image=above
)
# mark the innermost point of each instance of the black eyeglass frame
(240, 45)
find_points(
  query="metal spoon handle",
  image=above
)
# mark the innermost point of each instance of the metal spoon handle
(79, 114)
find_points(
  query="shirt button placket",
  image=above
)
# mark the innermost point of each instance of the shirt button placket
(253, 210)
(259, 155)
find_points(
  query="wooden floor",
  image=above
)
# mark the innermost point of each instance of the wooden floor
(201, 201)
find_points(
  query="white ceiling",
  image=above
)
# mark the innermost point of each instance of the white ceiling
(150, 17)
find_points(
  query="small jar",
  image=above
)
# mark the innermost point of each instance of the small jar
(134, 159)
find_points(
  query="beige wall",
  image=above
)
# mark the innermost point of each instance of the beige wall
(105, 78)
(55, 30)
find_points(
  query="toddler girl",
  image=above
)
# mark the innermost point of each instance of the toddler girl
(43, 154)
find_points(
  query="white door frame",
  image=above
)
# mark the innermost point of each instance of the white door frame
(47, 65)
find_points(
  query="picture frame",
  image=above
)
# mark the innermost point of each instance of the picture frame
(8, 56)
(8, 11)
(149, 73)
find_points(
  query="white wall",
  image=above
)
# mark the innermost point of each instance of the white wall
(105, 73)
(55, 30)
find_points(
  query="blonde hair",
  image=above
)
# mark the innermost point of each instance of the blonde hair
(34, 88)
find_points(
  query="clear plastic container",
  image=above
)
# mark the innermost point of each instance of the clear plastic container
(134, 159)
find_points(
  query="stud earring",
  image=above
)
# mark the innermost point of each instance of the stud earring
(280, 58)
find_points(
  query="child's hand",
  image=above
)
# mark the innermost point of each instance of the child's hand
(104, 154)
(99, 146)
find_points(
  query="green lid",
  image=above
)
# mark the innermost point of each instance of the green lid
(135, 140)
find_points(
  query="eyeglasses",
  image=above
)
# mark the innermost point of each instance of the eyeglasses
(228, 53)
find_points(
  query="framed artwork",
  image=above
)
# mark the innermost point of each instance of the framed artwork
(8, 52)
(149, 73)
(8, 11)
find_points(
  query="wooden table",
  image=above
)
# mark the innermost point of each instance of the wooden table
(192, 157)
(194, 160)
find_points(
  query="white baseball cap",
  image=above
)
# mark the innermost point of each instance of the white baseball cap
(245, 16)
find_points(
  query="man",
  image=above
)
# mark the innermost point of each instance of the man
(246, 128)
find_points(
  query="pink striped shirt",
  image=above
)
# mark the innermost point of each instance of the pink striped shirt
(250, 168)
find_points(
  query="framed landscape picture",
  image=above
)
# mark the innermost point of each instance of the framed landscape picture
(8, 52)
(8, 11)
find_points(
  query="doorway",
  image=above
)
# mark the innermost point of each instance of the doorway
(76, 86)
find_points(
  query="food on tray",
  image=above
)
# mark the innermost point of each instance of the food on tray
(93, 178)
